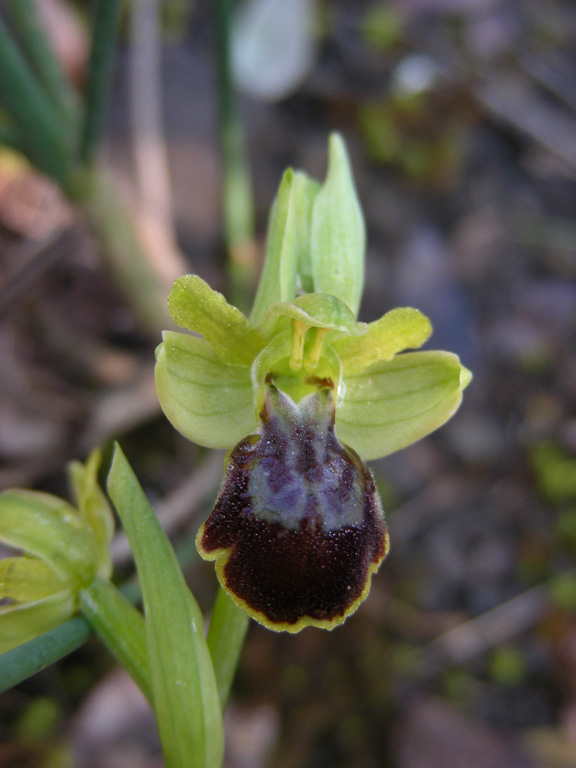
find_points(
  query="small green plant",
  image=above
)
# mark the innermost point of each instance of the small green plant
(302, 393)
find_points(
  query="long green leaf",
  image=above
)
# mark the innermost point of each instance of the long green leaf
(104, 34)
(42, 133)
(40, 53)
(184, 687)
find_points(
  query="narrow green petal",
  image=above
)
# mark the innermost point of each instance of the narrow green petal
(207, 401)
(287, 243)
(25, 621)
(50, 529)
(194, 305)
(27, 579)
(338, 232)
(394, 403)
(400, 329)
(93, 506)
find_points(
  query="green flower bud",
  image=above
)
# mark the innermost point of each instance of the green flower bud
(65, 548)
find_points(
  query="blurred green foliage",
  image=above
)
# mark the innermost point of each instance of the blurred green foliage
(507, 666)
(563, 592)
(382, 28)
(555, 471)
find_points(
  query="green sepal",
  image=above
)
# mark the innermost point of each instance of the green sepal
(93, 506)
(28, 579)
(207, 401)
(49, 528)
(184, 688)
(25, 621)
(396, 331)
(194, 305)
(394, 403)
(338, 237)
(287, 243)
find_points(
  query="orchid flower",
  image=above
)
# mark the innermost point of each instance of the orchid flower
(303, 394)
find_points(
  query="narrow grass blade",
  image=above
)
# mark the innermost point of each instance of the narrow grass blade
(40, 53)
(42, 133)
(184, 688)
(104, 34)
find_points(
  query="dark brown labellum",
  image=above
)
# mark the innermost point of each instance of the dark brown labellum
(297, 530)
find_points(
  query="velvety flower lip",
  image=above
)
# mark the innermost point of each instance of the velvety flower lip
(298, 529)
(302, 393)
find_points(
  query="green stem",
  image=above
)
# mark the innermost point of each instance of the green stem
(127, 258)
(226, 635)
(24, 15)
(30, 658)
(41, 131)
(121, 627)
(237, 201)
(104, 34)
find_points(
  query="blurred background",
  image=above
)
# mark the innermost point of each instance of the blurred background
(460, 119)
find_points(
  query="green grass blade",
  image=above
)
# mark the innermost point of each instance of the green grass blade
(40, 53)
(184, 688)
(121, 627)
(42, 133)
(32, 657)
(104, 35)
(226, 635)
(10, 138)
